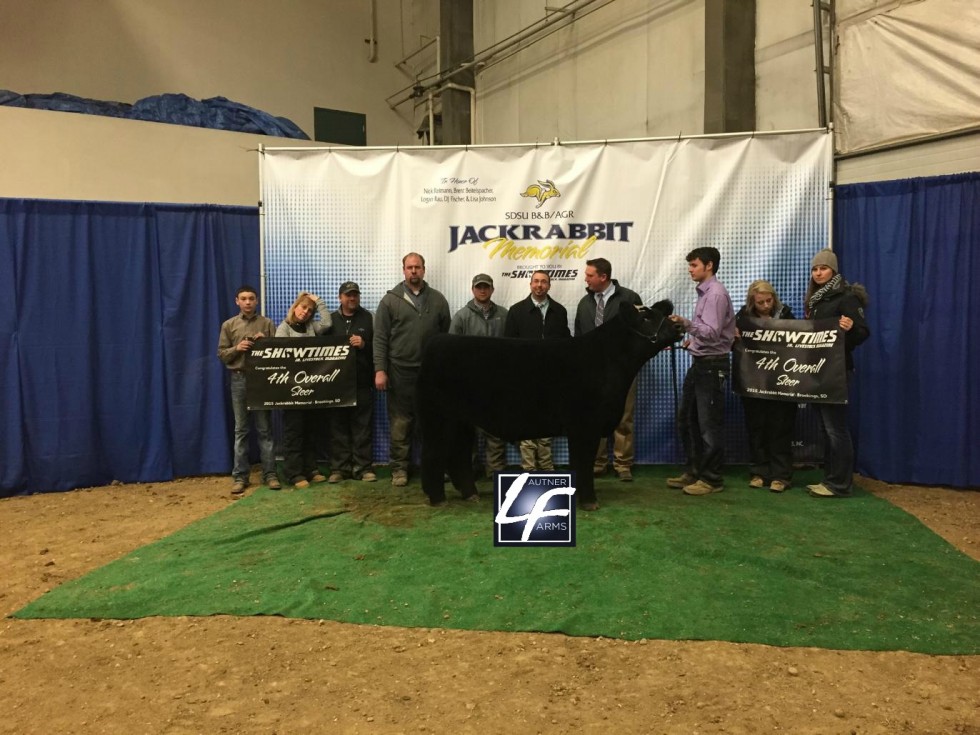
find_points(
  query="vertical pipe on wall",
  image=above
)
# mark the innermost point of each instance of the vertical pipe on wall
(261, 231)
(432, 122)
(372, 39)
(818, 63)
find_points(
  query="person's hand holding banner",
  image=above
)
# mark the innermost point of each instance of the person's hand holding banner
(792, 360)
(305, 372)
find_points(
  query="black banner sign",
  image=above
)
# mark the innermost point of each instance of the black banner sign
(300, 372)
(791, 360)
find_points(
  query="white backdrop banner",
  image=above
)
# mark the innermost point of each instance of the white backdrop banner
(332, 215)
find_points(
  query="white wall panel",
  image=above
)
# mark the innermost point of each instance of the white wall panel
(786, 86)
(934, 158)
(632, 68)
(63, 155)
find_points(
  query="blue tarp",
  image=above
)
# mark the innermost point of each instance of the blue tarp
(178, 109)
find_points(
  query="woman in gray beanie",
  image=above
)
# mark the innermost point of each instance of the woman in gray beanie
(829, 296)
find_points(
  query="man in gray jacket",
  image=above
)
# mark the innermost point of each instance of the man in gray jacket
(408, 314)
(481, 317)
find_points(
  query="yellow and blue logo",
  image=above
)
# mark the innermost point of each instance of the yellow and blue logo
(542, 191)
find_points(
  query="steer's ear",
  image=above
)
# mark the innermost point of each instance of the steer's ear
(632, 316)
(665, 307)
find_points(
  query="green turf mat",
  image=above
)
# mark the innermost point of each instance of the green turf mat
(744, 565)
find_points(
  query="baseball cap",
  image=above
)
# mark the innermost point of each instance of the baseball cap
(482, 278)
(349, 287)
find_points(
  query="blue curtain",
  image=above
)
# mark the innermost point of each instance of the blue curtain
(915, 244)
(109, 318)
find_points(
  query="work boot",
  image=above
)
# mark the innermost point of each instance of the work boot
(682, 481)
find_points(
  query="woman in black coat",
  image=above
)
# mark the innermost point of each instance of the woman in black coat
(829, 296)
(769, 423)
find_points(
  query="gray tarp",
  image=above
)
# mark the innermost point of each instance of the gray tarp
(905, 70)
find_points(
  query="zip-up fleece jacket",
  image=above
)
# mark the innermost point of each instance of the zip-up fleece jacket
(401, 329)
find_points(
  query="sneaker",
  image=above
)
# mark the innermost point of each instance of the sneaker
(335, 477)
(757, 481)
(399, 478)
(369, 476)
(821, 491)
(624, 475)
(598, 471)
(238, 487)
(702, 488)
(778, 486)
(272, 482)
(683, 481)
(318, 478)
(301, 484)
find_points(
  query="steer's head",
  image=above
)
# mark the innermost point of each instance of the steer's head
(653, 324)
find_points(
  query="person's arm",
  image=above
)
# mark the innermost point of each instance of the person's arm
(456, 325)
(382, 335)
(337, 327)
(368, 340)
(283, 330)
(268, 328)
(444, 316)
(227, 350)
(565, 332)
(323, 327)
(852, 321)
(580, 317)
(707, 326)
(510, 324)
(561, 314)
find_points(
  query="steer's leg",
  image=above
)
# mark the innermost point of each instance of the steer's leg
(460, 462)
(435, 448)
(581, 455)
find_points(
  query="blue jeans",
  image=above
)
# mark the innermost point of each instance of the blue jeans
(263, 426)
(838, 450)
(701, 418)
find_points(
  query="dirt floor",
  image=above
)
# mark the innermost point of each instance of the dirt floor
(272, 675)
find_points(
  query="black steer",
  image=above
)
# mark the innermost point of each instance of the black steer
(526, 389)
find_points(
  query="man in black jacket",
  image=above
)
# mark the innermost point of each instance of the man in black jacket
(603, 299)
(537, 317)
(351, 449)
